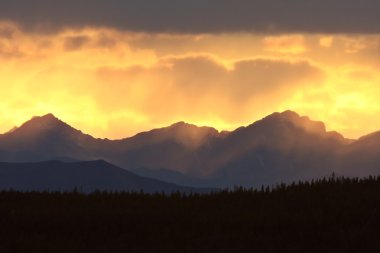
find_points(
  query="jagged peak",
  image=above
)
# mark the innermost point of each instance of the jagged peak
(46, 117)
(290, 114)
(45, 121)
(296, 120)
(188, 134)
(286, 115)
(40, 124)
(181, 124)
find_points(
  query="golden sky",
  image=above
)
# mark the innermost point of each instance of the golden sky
(112, 83)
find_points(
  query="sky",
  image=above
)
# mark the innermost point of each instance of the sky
(115, 68)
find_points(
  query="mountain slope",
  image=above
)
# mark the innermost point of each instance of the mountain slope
(362, 157)
(84, 176)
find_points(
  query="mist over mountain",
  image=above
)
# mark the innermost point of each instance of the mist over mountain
(281, 147)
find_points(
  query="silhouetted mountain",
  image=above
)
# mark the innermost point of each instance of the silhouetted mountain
(281, 147)
(186, 134)
(362, 157)
(174, 147)
(83, 176)
(44, 138)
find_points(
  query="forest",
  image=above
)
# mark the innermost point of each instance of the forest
(327, 215)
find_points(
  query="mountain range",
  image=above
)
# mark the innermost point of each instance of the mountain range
(282, 147)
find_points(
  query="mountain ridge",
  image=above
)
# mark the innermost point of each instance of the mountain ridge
(279, 147)
(54, 119)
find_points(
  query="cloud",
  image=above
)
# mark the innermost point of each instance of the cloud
(6, 32)
(326, 41)
(195, 87)
(198, 16)
(355, 44)
(294, 44)
(112, 83)
(111, 101)
(75, 42)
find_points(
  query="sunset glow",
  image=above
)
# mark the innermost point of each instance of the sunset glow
(112, 83)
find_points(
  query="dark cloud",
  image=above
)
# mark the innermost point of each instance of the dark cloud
(198, 16)
(6, 33)
(75, 42)
(105, 41)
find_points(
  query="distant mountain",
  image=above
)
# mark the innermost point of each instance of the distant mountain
(83, 176)
(281, 147)
(175, 147)
(362, 157)
(45, 138)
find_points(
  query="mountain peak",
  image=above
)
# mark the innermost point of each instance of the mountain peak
(49, 116)
(42, 124)
(46, 117)
(291, 115)
(188, 128)
(180, 124)
(296, 120)
(190, 135)
(47, 121)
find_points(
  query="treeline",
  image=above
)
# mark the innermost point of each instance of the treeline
(327, 215)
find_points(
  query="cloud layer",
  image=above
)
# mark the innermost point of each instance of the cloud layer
(113, 83)
(198, 16)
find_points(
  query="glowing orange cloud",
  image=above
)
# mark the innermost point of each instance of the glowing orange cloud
(113, 84)
(294, 44)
